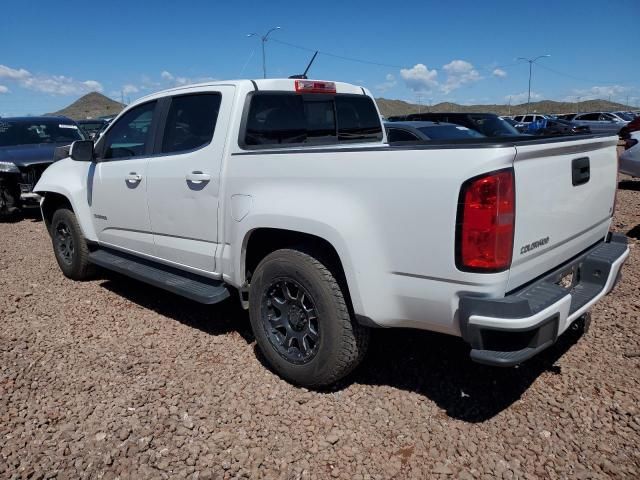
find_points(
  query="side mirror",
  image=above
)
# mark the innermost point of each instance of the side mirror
(82, 151)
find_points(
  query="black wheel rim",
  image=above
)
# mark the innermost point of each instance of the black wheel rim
(290, 320)
(64, 242)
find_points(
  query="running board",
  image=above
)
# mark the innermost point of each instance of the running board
(195, 287)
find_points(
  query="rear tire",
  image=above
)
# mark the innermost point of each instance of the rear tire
(301, 320)
(69, 246)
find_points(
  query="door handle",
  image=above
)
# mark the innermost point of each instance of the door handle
(198, 177)
(133, 177)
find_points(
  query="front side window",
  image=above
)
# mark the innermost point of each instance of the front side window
(131, 134)
(276, 118)
(191, 122)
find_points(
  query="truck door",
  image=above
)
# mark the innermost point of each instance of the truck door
(118, 183)
(184, 178)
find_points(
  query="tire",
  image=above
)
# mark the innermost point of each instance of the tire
(9, 200)
(313, 341)
(69, 246)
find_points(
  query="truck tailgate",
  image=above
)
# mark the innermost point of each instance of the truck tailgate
(564, 201)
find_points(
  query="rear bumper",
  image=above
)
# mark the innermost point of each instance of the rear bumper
(507, 331)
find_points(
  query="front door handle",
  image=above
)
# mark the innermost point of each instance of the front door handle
(133, 177)
(198, 177)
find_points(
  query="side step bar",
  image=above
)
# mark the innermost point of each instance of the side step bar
(186, 284)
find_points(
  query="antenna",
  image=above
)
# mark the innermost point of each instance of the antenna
(304, 75)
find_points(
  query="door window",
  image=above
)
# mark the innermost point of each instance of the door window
(130, 136)
(191, 122)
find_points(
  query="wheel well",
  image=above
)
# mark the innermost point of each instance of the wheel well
(263, 241)
(52, 202)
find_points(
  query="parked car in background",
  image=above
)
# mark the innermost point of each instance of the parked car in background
(92, 127)
(600, 122)
(630, 157)
(566, 116)
(416, 131)
(396, 118)
(523, 121)
(629, 128)
(488, 124)
(27, 146)
(624, 116)
(559, 127)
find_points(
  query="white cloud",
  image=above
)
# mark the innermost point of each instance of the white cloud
(459, 73)
(12, 73)
(597, 92)
(498, 72)
(129, 88)
(3, 89)
(52, 84)
(419, 78)
(388, 84)
(166, 75)
(60, 85)
(517, 98)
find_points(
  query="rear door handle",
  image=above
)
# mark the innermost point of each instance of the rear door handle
(133, 177)
(198, 177)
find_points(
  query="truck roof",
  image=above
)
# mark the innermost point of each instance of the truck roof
(278, 84)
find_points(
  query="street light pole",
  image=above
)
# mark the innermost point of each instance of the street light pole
(531, 62)
(263, 39)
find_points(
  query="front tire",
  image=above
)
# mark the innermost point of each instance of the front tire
(69, 246)
(301, 320)
(9, 199)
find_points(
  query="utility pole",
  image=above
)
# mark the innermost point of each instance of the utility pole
(531, 62)
(509, 105)
(263, 39)
(419, 100)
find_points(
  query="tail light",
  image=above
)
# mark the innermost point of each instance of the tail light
(314, 86)
(486, 219)
(631, 142)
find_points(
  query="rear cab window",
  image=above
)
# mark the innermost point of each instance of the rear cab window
(274, 119)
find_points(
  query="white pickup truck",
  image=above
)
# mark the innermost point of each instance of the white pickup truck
(287, 192)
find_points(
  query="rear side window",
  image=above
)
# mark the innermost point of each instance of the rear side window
(191, 122)
(292, 119)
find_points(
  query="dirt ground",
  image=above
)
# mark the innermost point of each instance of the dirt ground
(114, 379)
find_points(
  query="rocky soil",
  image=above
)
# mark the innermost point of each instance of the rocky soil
(113, 379)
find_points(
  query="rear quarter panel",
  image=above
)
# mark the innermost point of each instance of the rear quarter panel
(389, 212)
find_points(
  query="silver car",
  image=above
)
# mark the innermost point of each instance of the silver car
(600, 122)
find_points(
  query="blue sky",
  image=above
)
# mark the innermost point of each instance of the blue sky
(427, 51)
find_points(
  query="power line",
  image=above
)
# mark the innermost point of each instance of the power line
(350, 59)
(586, 80)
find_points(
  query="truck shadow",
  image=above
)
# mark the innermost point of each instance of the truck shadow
(433, 365)
(438, 366)
(629, 185)
(221, 319)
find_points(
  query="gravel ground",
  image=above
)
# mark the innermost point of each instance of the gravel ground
(114, 379)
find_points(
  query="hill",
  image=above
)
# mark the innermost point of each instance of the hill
(91, 105)
(400, 107)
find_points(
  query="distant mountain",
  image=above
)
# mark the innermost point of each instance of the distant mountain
(399, 107)
(91, 105)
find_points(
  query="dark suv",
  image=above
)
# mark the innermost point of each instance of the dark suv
(488, 124)
(27, 146)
